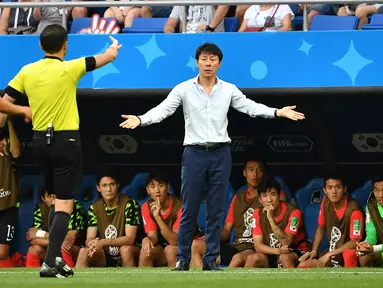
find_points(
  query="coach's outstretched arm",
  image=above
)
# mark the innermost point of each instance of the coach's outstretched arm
(157, 114)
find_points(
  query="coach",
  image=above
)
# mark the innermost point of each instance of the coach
(207, 157)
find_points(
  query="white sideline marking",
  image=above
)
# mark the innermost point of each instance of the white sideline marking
(246, 271)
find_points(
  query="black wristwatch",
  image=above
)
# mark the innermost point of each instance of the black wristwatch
(208, 28)
(275, 113)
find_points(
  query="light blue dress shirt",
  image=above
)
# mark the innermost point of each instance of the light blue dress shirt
(205, 115)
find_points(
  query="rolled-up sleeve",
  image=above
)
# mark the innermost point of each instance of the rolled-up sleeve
(164, 109)
(250, 107)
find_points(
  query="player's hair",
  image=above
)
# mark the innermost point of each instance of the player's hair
(255, 159)
(376, 179)
(209, 48)
(52, 38)
(334, 176)
(106, 172)
(269, 183)
(159, 176)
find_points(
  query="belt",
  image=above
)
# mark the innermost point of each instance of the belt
(209, 148)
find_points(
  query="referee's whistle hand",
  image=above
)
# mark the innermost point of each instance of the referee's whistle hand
(131, 122)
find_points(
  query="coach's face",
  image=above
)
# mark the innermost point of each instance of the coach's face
(208, 65)
(335, 190)
(378, 192)
(108, 187)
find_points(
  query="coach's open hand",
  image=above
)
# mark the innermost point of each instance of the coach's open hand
(288, 112)
(131, 121)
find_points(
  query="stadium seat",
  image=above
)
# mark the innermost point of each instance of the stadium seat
(363, 193)
(30, 186)
(311, 223)
(88, 191)
(284, 187)
(329, 22)
(147, 25)
(376, 23)
(312, 193)
(81, 23)
(297, 21)
(230, 24)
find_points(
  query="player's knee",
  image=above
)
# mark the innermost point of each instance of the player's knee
(256, 260)
(366, 261)
(198, 247)
(170, 251)
(35, 249)
(4, 252)
(288, 260)
(83, 252)
(237, 258)
(350, 258)
(127, 250)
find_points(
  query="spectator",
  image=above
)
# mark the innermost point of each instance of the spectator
(320, 9)
(124, 15)
(117, 219)
(48, 16)
(10, 151)
(156, 11)
(18, 20)
(278, 231)
(342, 218)
(199, 19)
(38, 234)
(361, 11)
(370, 251)
(267, 18)
(240, 13)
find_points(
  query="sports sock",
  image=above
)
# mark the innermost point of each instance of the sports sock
(68, 258)
(33, 260)
(57, 235)
(7, 263)
(51, 215)
(350, 258)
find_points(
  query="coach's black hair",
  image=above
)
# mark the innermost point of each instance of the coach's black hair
(209, 48)
(159, 176)
(106, 172)
(52, 38)
(269, 183)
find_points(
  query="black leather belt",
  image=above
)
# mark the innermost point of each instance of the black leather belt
(208, 148)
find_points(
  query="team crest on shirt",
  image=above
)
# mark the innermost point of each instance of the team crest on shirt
(112, 233)
(356, 225)
(294, 224)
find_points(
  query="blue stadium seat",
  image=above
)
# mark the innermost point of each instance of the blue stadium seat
(376, 23)
(88, 191)
(310, 194)
(329, 22)
(284, 187)
(298, 20)
(363, 193)
(311, 223)
(147, 25)
(230, 24)
(81, 23)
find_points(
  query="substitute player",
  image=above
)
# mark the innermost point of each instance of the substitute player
(50, 85)
(370, 251)
(342, 218)
(10, 151)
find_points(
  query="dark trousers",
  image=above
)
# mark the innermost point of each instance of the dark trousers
(203, 169)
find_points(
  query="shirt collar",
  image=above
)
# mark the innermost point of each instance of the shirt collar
(53, 57)
(217, 81)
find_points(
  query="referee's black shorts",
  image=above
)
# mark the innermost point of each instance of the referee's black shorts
(61, 162)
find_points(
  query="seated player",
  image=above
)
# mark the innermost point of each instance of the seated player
(161, 216)
(10, 151)
(278, 231)
(117, 219)
(38, 234)
(342, 218)
(239, 217)
(370, 251)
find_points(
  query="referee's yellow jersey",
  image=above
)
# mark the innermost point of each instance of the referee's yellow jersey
(50, 85)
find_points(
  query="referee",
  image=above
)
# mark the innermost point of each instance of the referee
(50, 85)
(207, 159)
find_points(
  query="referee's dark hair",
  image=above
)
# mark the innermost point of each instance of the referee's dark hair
(209, 48)
(52, 38)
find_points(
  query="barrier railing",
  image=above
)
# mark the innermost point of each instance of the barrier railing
(62, 4)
